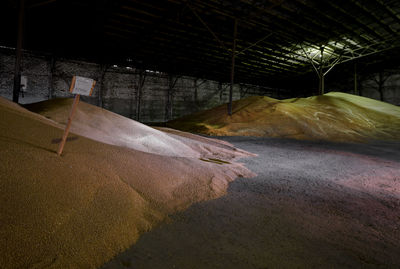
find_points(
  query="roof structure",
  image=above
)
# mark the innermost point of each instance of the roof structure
(274, 38)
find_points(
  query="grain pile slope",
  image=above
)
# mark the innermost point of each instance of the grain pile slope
(79, 210)
(108, 127)
(334, 116)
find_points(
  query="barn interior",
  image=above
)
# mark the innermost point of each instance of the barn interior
(220, 134)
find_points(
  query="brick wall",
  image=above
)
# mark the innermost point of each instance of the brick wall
(162, 96)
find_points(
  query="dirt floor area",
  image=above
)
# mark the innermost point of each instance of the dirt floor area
(312, 205)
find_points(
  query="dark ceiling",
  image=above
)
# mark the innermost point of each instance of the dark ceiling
(275, 39)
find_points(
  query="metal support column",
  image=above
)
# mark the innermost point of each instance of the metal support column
(139, 92)
(381, 81)
(103, 70)
(196, 94)
(170, 96)
(355, 80)
(51, 69)
(18, 55)
(321, 75)
(220, 91)
(232, 67)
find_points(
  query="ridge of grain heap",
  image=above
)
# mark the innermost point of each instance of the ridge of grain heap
(81, 209)
(334, 116)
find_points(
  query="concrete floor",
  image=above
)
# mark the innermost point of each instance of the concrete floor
(312, 205)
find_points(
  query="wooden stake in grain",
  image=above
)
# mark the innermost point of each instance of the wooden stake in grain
(79, 86)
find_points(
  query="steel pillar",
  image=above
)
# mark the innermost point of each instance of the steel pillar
(103, 70)
(381, 81)
(232, 67)
(321, 88)
(139, 92)
(356, 92)
(18, 54)
(51, 68)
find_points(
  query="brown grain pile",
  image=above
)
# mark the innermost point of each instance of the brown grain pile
(79, 210)
(334, 117)
(110, 128)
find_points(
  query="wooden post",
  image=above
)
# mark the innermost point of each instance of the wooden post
(71, 115)
(79, 86)
(232, 68)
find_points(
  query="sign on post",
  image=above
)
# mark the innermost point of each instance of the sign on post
(82, 86)
(79, 86)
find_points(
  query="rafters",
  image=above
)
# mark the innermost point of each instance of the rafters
(194, 37)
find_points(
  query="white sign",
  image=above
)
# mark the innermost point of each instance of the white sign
(83, 86)
(24, 83)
